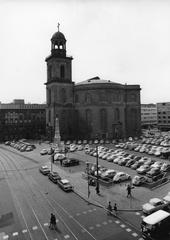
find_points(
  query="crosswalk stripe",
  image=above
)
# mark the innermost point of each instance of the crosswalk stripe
(34, 228)
(134, 234)
(15, 234)
(122, 225)
(104, 223)
(5, 237)
(66, 236)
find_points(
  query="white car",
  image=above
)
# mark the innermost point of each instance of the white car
(59, 156)
(110, 173)
(121, 176)
(43, 152)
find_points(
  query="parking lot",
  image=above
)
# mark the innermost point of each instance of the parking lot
(117, 191)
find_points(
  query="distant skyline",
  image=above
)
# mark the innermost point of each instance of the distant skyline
(123, 41)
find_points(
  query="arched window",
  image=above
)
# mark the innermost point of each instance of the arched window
(49, 96)
(103, 119)
(117, 115)
(49, 116)
(49, 69)
(88, 116)
(87, 98)
(62, 71)
(63, 95)
(76, 98)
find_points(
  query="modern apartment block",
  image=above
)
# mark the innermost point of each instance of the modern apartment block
(163, 111)
(19, 120)
(148, 115)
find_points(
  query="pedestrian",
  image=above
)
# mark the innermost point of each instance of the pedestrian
(52, 222)
(129, 190)
(109, 208)
(61, 162)
(115, 208)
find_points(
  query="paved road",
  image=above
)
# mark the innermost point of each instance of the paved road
(28, 198)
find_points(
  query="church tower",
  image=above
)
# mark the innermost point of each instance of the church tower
(59, 85)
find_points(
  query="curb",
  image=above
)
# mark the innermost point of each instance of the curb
(104, 208)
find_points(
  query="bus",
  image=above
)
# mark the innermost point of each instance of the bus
(156, 226)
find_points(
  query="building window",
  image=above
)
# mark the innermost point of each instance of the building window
(76, 98)
(103, 119)
(63, 95)
(62, 71)
(117, 115)
(49, 96)
(49, 72)
(88, 116)
(87, 98)
(49, 116)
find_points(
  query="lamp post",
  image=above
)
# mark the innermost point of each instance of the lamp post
(97, 166)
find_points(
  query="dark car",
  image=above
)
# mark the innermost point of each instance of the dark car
(70, 162)
(129, 162)
(54, 177)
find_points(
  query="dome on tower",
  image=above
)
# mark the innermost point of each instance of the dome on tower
(58, 36)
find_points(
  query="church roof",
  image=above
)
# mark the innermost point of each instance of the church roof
(96, 80)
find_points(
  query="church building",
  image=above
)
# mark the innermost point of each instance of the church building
(90, 108)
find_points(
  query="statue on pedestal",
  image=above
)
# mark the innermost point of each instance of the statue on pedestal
(57, 137)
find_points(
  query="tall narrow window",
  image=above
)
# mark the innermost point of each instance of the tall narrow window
(62, 71)
(63, 95)
(49, 96)
(76, 98)
(103, 119)
(88, 117)
(117, 115)
(87, 98)
(49, 72)
(49, 116)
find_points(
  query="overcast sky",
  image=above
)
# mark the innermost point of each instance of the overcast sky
(123, 41)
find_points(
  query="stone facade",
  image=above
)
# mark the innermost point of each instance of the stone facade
(89, 108)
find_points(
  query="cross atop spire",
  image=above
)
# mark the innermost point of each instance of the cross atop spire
(58, 25)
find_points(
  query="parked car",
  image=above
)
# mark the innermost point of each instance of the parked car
(43, 152)
(65, 185)
(121, 176)
(153, 172)
(143, 169)
(59, 156)
(54, 176)
(44, 170)
(153, 205)
(70, 162)
(165, 167)
(138, 180)
(108, 174)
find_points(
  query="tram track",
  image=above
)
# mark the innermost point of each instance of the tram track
(53, 204)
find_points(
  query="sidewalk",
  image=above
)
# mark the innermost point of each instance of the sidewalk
(116, 193)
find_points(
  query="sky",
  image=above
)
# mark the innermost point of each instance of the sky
(125, 41)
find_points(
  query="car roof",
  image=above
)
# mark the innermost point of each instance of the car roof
(64, 181)
(155, 200)
(156, 217)
(45, 166)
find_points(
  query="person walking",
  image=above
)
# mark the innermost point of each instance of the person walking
(109, 208)
(129, 190)
(53, 224)
(115, 208)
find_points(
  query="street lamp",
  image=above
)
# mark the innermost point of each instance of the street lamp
(97, 166)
